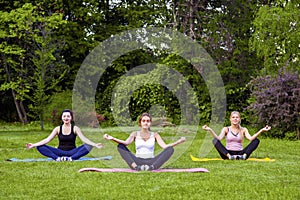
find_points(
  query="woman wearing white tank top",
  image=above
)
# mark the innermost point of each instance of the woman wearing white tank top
(234, 135)
(144, 139)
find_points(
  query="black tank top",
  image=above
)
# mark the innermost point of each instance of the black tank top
(66, 142)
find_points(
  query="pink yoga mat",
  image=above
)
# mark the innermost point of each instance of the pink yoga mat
(134, 171)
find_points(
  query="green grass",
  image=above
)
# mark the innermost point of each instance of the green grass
(226, 180)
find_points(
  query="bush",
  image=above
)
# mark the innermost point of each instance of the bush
(58, 102)
(276, 101)
(63, 100)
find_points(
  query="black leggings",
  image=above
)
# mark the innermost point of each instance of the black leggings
(247, 150)
(157, 161)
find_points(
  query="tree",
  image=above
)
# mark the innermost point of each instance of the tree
(223, 29)
(13, 56)
(276, 36)
(29, 53)
(48, 69)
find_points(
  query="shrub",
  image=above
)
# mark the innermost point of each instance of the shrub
(58, 102)
(63, 100)
(276, 101)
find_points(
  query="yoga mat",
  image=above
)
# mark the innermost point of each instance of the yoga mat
(50, 159)
(249, 159)
(91, 169)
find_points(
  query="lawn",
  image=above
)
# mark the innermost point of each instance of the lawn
(226, 179)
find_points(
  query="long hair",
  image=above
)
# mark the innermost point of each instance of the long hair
(71, 113)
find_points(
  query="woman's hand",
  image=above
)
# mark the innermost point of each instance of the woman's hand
(99, 145)
(29, 145)
(205, 127)
(266, 128)
(107, 137)
(182, 139)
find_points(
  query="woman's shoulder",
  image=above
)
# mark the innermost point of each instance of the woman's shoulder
(155, 134)
(57, 129)
(74, 126)
(76, 129)
(226, 128)
(134, 133)
(244, 129)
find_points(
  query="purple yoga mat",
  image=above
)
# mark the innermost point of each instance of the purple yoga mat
(134, 171)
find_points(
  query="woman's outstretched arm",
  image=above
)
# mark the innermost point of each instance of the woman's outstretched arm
(163, 145)
(44, 141)
(220, 137)
(86, 140)
(126, 142)
(249, 137)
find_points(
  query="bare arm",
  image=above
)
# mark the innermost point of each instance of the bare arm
(220, 137)
(163, 145)
(86, 140)
(126, 142)
(249, 137)
(44, 141)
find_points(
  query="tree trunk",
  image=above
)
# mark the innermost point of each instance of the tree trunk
(42, 120)
(23, 112)
(19, 104)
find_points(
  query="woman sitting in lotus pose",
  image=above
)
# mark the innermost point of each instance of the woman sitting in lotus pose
(144, 139)
(66, 133)
(234, 135)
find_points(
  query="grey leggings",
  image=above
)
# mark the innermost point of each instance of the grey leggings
(157, 161)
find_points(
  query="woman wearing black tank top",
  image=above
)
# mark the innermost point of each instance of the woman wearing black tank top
(66, 150)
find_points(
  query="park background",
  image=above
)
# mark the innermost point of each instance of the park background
(255, 45)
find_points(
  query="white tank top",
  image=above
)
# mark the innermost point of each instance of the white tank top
(144, 149)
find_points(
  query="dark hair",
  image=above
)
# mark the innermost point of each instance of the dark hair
(143, 115)
(71, 113)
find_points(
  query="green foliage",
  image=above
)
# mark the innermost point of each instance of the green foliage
(145, 93)
(30, 61)
(7, 108)
(139, 90)
(43, 44)
(193, 76)
(106, 89)
(276, 36)
(149, 97)
(57, 103)
(223, 28)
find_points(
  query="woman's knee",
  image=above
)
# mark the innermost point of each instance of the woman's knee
(170, 149)
(39, 148)
(215, 141)
(256, 141)
(121, 146)
(88, 147)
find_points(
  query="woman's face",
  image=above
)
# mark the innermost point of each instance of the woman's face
(145, 122)
(66, 117)
(235, 119)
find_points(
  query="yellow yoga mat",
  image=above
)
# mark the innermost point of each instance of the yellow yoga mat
(250, 159)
